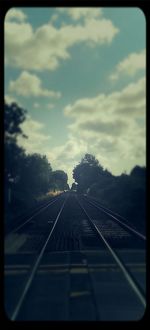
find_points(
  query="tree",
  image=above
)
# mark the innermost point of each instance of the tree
(87, 172)
(13, 117)
(74, 186)
(13, 160)
(90, 160)
(35, 175)
(124, 194)
(59, 179)
(138, 171)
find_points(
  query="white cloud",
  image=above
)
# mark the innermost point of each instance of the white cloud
(103, 130)
(36, 140)
(30, 85)
(65, 157)
(108, 127)
(17, 35)
(43, 48)
(15, 14)
(82, 12)
(71, 150)
(130, 100)
(11, 99)
(112, 126)
(130, 65)
(112, 129)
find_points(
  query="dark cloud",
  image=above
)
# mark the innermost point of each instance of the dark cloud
(111, 128)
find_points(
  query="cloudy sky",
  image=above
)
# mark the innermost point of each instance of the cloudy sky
(80, 73)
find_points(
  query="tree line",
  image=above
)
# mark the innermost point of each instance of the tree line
(125, 193)
(26, 176)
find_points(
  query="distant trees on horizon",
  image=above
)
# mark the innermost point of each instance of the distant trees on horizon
(26, 176)
(125, 193)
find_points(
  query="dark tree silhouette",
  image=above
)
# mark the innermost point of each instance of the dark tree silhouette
(27, 177)
(74, 186)
(138, 171)
(125, 194)
(59, 180)
(13, 117)
(87, 172)
(35, 175)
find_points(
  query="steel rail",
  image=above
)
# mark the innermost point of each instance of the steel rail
(97, 202)
(34, 268)
(105, 208)
(42, 208)
(128, 276)
(135, 232)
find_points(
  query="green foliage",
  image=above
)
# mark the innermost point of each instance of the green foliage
(35, 174)
(138, 172)
(13, 154)
(13, 117)
(126, 195)
(26, 176)
(87, 172)
(59, 180)
(74, 186)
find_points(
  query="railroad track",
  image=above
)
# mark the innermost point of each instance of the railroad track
(90, 241)
(20, 221)
(116, 217)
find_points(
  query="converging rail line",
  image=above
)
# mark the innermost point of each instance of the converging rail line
(32, 215)
(117, 218)
(132, 282)
(61, 275)
(34, 268)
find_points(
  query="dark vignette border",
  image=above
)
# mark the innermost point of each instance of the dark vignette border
(5, 5)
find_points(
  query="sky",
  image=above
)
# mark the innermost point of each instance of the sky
(80, 74)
